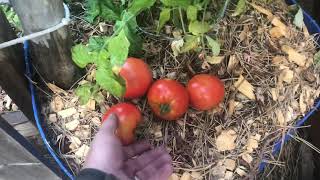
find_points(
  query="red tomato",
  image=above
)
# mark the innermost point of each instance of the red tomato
(137, 76)
(129, 117)
(205, 91)
(168, 99)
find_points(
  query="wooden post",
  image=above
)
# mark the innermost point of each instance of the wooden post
(51, 53)
(12, 78)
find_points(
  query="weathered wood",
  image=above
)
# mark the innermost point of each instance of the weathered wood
(12, 78)
(21, 123)
(19, 160)
(51, 52)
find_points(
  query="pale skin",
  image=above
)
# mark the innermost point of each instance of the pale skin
(138, 160)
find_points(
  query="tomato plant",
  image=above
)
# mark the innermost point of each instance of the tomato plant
(168, 99)
(205, 91)
(129, 117)
(137, 76)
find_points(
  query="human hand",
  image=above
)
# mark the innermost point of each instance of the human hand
(138, 160)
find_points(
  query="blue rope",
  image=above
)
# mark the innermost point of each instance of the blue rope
(36, 114)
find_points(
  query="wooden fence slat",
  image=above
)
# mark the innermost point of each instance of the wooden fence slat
(12, 78)
(51, 53)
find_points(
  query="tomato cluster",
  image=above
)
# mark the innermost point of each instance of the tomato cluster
(168, 99)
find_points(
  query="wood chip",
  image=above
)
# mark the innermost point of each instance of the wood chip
(214, 59)
(186, 176)
(225, 141)
(72, 125)
(67, 112)
(294, 56)
(252, 144)
(96, 121)
(277, 32)
(14, 107)
(274, 93)
(56, 104)
(244, 33)
(277, 60)
(174, 177)
(262, 10)
(75, 142)
(233, 62)
(82, 151)
(228, 175)
(55, 89)
(240, 171)
(278, 23)
(91, 105)
(230, 164)
(245, 88)
(84, 132)
(247, 157)
(280, 118)
(53, 118)
(196, 175)
(286, 75)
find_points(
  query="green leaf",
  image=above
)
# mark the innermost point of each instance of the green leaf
(191, 43)
(118, 49)
(109, 81)
(105, 9)
(176, 3)
(241, 7)
(84, 93)
(215, 46)
(197, 27)
(316, 57)
(81, 55)
(192, 13)
(164, 17)
(96, 43)
(298, 19)
(139, 5)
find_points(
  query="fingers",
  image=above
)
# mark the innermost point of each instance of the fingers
(110, 124)
(136, 149)
(159, 169)
(134, 165)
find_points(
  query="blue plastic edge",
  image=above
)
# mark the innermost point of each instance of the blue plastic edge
(313, 28)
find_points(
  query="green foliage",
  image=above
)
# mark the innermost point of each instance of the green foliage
(176, 3)
(118, 48)
(104, 9)
(87, 91)
(11, 16)
(191, 43)
(298, 19)
(215, 46)
(241, 7)
(164, 17)
(139, 5)
(192, 12)
(81, 55)
(198, 28)
(316, 57)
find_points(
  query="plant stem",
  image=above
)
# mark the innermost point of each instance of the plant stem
(182, 22)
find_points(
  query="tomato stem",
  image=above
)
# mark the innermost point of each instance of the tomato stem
(164, 109)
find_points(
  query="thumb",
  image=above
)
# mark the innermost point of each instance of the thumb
(110, 124)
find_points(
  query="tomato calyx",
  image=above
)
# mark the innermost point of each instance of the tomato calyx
(164, 108)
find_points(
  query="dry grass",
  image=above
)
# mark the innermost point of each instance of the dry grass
(191, 140)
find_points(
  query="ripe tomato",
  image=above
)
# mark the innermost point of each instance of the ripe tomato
(137, 76)
(205, 91)
(168, 99)
(129, 117)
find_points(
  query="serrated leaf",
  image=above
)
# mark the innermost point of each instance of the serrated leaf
(298, 19)
(192, 12)
(191, 43)
(176, 3)
(198, 28)
(109, 81)
(81, 56)
(215, 46)
(164, 17)
(104, 9)
(241, 7)
(138, 5)
(96, 43)
(118, 49)
(84, 93)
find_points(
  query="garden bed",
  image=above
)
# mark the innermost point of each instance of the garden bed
(271, 79)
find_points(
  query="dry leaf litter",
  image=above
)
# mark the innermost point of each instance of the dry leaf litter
(270, 80)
